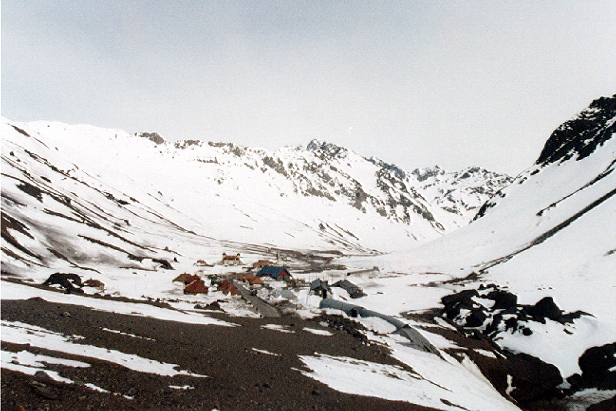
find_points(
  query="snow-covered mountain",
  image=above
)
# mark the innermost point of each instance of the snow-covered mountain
(548, 238)
(81, 194)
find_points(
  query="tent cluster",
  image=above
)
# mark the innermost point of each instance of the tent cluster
(194, 284)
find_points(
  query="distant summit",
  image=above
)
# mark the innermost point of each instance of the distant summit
(326, 149)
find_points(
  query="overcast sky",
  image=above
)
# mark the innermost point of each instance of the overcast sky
(414, 83)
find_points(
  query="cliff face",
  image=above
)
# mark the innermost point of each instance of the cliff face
(575, 139)
(580, 136)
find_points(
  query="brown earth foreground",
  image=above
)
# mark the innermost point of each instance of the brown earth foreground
(239, 378)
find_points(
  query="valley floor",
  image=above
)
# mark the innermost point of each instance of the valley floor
(253, 365)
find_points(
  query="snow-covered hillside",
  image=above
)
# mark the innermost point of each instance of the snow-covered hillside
(550, 234)
(83, 194)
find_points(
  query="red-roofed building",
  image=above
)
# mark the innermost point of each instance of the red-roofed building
(196, 287)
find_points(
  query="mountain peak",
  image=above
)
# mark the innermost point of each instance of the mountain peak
(423, 174)
(581, 135)
(326, 148)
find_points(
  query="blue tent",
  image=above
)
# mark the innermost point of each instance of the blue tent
(274, 272)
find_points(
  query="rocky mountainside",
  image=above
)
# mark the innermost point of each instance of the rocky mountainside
(443, 199)
(535, 271)
(575, 139)
(580, 136)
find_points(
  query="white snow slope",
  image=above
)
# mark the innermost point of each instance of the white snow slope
(75, 186)
(551, 233)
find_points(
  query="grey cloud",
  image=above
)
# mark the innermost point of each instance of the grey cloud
(414, 83)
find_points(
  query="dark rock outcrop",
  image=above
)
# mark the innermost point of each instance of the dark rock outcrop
(596, 363)
(476, 318)
(456, 302)
(70, 282)
(503, 299)
(544, 308)
(533, 379)
(163, 263)
(581, 135)
(607, 405)
(154, 137)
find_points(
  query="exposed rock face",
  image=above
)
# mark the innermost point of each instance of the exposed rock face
(581, 135)
(468, 309)
(607, 405)
(544, 308)
(456, 302)
(426, 193)
(503, 299)
(58, 187)
(70, 282)
(533, 379)
(575, 139)
(155, 137)
(597, 365)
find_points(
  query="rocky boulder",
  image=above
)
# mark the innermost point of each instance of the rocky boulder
(533, 379)
(597, 365)
(503, 299)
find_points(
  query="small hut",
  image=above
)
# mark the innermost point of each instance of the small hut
(231, 259)
(261, 263)
(228, 288)
(353, 290)
(214, 279)
(320, 288)
(250, 279)
(203, 263)
(185, 278)
(196, 287)
(99, 285)
(255, 281)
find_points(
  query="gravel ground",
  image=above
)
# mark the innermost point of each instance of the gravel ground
(239, 378)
